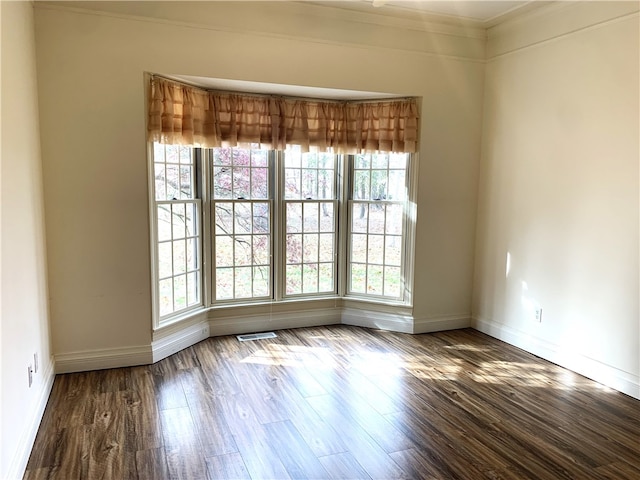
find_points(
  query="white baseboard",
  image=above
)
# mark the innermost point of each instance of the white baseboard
(18, 465)
(165, 344)
(235, 325)
(607, 375)
(101, 359)
(441, 323)
(380, 320)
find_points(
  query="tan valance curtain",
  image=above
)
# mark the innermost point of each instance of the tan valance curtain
(186, 115)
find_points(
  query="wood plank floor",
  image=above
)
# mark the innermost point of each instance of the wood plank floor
(338, 403)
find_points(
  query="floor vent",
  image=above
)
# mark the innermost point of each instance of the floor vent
(256, 336)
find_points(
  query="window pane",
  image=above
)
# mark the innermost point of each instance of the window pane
(241, 182)
(260, 218)
(165, 260)
(224, 251)
(392, 281)
(243, 282)
(243, 218)
(375, 249)
(361, 185)
(294, 217)
(224, 283)
(243, 251)
(191, 213)
(359, 217)
(294, 248)
(259, 183)
(259, 158)
(309, 184)
(326, 217)
(310, 253)
(192, 254)
(397, 185)
(172, 153)
(377, 218)
(164, 222)
(358, 278)
(325, 248)
(292, 183)
(294, 279)
(193, 292)
(393, 250)
(222, 182)
(223, 218)
(374, 279)
(178, 220)
(261, 250)
(173, 182)
(378, 185)
(179, 292)
(310, 217)
(310, 278)
(165, 288)
(379, 160)
(160, 182)
(222, 156)
(261, 281)
(179, 257)
(359, 248)
(394, 219)
(326, 278)
(186, 182)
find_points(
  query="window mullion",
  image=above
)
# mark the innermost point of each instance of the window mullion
(279, 215)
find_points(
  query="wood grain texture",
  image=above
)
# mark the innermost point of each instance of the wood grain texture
(338, 402)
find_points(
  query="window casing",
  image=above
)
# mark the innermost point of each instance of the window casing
(278, 226)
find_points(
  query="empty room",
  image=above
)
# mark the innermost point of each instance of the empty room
(299, 239)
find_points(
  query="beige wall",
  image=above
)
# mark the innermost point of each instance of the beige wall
(559, 190)
(90, 76)
(23, 312)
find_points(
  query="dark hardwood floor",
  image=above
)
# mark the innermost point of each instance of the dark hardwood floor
(337, 403)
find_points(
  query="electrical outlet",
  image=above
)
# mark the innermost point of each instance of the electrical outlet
(538, 314)
(35, 362)
(30, 372)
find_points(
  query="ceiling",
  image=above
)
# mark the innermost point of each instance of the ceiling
(478, 11)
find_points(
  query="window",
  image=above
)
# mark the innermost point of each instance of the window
(310, 205)
(242, 196)
(258, 198)
(275, 225)
(177, 215)
(378, 196)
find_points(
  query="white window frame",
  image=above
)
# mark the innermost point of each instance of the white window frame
(278, 205)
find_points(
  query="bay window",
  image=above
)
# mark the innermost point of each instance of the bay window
(283, 207)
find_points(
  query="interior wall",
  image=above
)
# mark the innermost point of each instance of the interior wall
(90, 75)
(23, 312)
(558, 211)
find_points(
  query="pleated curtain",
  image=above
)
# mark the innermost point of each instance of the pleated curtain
(186, 115)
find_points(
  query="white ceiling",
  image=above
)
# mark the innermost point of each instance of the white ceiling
(481, 10)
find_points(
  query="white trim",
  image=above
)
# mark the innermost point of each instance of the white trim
(441, 323)
(465, 33)
(378, 320)
(100, 359)
(18, 464)
(237, 324)
(167, 343)
(615, 378)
